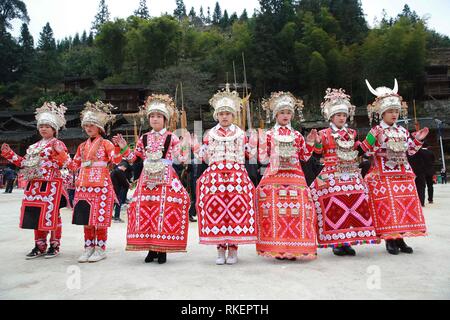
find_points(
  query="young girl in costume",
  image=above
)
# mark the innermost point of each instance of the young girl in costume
(45, 193)
(393, 200)
(94, 194)
(159, 210)
(225, 193)
(339, 192)
(286, 216)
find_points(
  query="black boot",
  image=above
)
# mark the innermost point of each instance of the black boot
(391, 247)
(162, 257)
(151, 256)
(403, 246)
(349, 251)
(339, 251)
(52, 252)
(35, 253)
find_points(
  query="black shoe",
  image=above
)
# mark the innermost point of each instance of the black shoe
(391, 247)
(162, 257)
(279, 258)
(151, 256)
(403, 246)
(350, 251)
(192, 219)
(52, 252)
(430, 201)
(35, 253)
(339, 251)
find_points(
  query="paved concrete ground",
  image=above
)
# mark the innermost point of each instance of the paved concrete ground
(372, 274)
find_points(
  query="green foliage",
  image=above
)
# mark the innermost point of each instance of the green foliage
(300, 46)
(47, 70)
(180, 10)
(142, 12)
(10, 10)
(111, 42)
(101, 17)
(197, 86)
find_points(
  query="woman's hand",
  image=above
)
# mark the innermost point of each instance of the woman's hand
(119, 141)
(313, 137)
(422, 134)
(58, 148)
(6, 148)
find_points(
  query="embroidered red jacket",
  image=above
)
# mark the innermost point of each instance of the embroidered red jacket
(376, 142)
(92, 158)
(49, 165)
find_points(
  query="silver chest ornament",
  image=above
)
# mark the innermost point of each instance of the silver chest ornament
(347, 165)
(396, 147)
(32, 162)
(285, 149)
(228, 149)
(154, 167)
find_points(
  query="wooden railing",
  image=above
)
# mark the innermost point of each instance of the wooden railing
(437, 91)
(437, 77)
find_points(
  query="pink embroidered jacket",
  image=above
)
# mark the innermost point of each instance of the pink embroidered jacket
(328, 147)
(267, 152)
(377, 141)
(225, 145)
(155, 141)
(92, 158)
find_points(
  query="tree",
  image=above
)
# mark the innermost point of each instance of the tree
(90, 39)
(9, 58)
(244, 16)
(46, 41)
(84, 38)
(154, 44)
(101, 17)
(83, 62)
(318, 77)
(111, 42)
(208, 17)
(194, 19)
(10, 10)
(351, 18)
(142, 11)
(197, 86)
(180, 11)
(47, 71)
(409, 14)
(202, 16)
(26, 44)
(217, 15)
(76, 40)
(233, 19)
(225, 21)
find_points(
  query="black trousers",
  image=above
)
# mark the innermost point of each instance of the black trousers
(430, 188)
(9, 186)
(420, 185)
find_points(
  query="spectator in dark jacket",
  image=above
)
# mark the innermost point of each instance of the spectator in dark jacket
(365, 165)
(311, 168)
(443, 176)
(121, 185)
(418, 165)
(428, 159)
(9, 176)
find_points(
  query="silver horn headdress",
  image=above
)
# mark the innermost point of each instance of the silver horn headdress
(386, 99)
